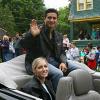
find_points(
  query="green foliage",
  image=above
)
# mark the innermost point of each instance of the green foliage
(63, 23)
(7, 19)
(21, 12)
(24, 11)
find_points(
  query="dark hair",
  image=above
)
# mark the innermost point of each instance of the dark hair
(74, 43)
(90, 45)
(98, 47)
(51, 10)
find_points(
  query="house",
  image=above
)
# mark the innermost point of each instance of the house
(84, 15)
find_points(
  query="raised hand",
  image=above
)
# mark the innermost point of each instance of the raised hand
(34, 28)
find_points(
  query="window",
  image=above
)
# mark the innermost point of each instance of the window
(84, 5)
(80, 4)
(89, 4)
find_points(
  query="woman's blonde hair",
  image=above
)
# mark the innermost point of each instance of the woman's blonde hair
(37, 61)
(5, 37)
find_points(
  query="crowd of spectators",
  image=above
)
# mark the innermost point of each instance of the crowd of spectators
(88, 55)
(10, 47)
(84, 35)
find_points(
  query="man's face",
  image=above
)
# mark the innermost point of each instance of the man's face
(51, 20)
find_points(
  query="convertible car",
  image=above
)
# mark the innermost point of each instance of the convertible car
(80, 84)
(12, 77)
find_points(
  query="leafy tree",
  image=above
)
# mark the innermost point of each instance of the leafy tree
(7, 20)
(25, 10)
(63, 25)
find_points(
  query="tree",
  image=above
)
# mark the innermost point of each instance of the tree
(7, 20)
(63, 25)
(24, 11)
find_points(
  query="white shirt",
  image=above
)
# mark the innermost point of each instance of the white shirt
(47, 90)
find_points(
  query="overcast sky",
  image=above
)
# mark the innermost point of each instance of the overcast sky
(55, 3)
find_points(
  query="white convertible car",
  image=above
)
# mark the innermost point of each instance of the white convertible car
(13, 75)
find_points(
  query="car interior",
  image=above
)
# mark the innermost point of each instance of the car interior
(80, 84)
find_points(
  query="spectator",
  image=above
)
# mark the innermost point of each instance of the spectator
(83, 53)
(1, 57)
(11, 47)
(73, 52)
(81, 35)
(65, 42)
(93, 33)
(39, 86)
(98, 33)
(91, 60)
(87, 36)
(5, 48)
(17, 45)
(98, 57)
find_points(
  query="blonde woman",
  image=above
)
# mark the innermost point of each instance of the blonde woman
(5, 48)
(39, 86)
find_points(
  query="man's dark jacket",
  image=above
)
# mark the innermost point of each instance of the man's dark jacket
(35, 88)
(41, 46)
